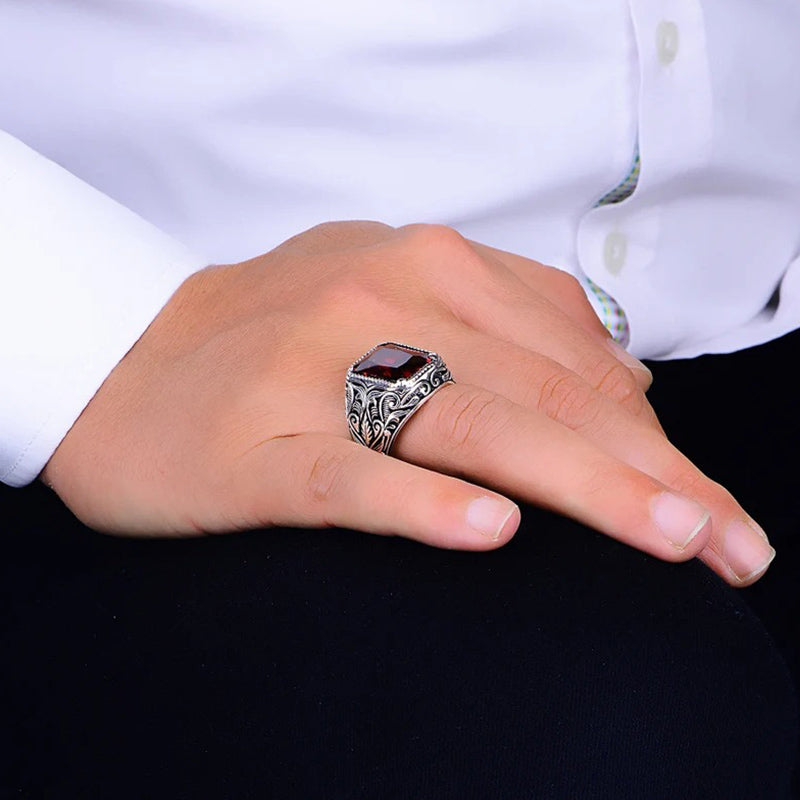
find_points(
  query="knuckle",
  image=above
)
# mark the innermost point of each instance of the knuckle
(331, 237)
(325, 230)
(568, 400)
(567, 288)
(616, 382)
(431, 235)
(371, 230)
(437, 245)
(357, 232)
(570, 295)
(328, 471)
(471, 419)
(440, 255)
(569, 285)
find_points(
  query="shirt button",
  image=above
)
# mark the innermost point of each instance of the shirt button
(667, 42)
(615, 251)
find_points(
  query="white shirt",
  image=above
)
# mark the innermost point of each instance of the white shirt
(231, 125)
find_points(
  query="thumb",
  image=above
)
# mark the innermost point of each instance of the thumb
(319, 480)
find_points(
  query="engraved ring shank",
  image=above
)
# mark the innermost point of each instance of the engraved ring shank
(385, 387)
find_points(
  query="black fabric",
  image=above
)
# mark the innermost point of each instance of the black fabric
(332, 664)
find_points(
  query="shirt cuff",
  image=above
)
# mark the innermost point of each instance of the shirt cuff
(81, 278)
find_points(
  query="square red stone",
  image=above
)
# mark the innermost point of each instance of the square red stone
(391, 362)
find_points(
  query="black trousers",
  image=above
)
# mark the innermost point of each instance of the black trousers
(332, 664)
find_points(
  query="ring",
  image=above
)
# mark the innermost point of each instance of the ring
(385, 387)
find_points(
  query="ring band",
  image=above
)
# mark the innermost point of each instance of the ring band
(385, 387)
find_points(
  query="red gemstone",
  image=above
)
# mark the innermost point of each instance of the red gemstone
(391, 362)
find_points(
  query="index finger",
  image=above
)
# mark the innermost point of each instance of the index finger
(562, 288)
(568, 295)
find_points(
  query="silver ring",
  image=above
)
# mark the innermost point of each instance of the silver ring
(385, 387)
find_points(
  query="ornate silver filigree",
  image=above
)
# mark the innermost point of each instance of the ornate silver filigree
(377, 409)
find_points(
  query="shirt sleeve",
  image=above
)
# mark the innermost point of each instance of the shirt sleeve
(81, 277)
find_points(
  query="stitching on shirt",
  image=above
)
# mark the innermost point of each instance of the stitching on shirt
(26, 449)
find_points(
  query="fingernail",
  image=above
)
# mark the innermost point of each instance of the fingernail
(628, 360)
(489, 516)
(746, 549)
(678, 518)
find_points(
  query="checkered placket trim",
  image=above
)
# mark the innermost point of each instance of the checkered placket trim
(607, 308)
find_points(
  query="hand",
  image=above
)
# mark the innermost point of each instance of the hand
(228, 412)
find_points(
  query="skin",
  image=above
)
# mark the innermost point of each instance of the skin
(227, 414)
